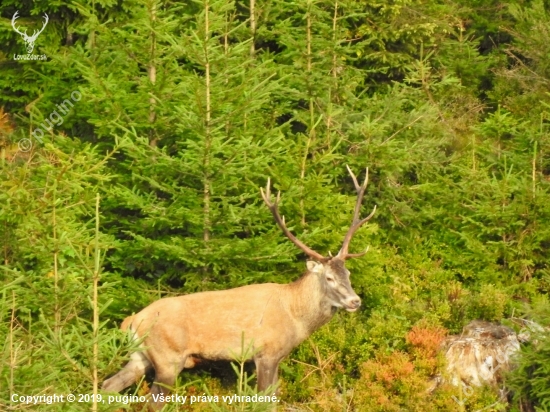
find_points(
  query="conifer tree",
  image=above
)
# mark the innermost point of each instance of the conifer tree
(204, 139)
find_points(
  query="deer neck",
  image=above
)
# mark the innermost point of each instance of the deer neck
(309, 305)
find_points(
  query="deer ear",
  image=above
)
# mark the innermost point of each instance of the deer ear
(314, 267)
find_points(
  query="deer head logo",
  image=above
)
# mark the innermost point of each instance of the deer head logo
(29, 40)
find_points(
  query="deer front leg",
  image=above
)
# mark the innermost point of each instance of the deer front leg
(134, 369)
(267, 371)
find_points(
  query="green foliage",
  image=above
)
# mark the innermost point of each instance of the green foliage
(530, 382)
(186, 110)
(46, 301)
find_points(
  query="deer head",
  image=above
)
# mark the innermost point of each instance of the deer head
(331, 269)
(29, 40)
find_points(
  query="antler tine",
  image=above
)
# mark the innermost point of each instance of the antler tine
(360, 193)
(356, 223)
(354, 178)
(274, 208)
(355, 255)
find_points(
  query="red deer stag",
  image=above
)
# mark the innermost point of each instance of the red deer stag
(274, 318)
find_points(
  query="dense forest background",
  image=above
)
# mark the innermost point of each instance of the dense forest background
(148, 184)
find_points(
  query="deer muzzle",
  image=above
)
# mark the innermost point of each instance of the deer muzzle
(352, 303)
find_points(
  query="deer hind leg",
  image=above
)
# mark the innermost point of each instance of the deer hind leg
(167, 370)
(134, 369)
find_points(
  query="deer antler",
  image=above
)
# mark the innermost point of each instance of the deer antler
(36, 33)
(274, 207)
(15, 17)
(356, 223)
(29, 40)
